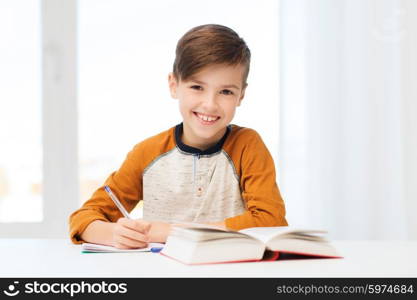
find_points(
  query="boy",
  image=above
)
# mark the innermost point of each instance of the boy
(203, 170)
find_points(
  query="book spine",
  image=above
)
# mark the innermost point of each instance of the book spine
(270, 256)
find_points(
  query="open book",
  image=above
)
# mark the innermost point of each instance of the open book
(97, 248)
(200, 244)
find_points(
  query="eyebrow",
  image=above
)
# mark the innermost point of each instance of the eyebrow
(223, 86)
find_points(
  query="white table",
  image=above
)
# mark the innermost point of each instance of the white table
(60, 258)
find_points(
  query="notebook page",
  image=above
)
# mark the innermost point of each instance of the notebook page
(88, 247)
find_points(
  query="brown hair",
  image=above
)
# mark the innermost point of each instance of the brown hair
(209, 44)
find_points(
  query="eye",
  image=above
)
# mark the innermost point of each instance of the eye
(196, 87)
(227, 92)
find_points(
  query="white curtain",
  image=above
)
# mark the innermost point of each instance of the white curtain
(348, 140)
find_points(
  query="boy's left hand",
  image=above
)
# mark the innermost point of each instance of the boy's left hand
(159, 232)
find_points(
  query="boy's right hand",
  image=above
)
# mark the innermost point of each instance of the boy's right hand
(129, 233)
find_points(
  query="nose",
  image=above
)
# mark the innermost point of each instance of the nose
(210, 102)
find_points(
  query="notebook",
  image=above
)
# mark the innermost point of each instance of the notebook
(97, 248)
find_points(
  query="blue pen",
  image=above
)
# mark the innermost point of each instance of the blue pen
(156, 249)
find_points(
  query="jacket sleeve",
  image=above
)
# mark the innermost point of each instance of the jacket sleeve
(126, 184)
(264, 204)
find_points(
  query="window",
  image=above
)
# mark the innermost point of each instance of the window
(20, 113)
(38, 162)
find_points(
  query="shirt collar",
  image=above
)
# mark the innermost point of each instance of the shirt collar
(183, 147)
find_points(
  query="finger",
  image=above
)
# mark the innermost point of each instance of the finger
(123, 246)
(132, 234)
(131, 244)
(148, 227)
(119, 245)
(142, 226)
(138, 225)
(125, 242)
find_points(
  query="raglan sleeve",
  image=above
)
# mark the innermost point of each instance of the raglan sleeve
(264, 204)
(126, 184)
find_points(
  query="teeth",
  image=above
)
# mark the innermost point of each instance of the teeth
(207, 118)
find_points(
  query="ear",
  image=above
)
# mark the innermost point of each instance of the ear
(242, 95)
(172, 83)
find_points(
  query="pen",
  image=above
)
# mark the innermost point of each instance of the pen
(156, 249)
(117, 202)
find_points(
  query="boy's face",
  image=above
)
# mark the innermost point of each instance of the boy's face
(208, 102)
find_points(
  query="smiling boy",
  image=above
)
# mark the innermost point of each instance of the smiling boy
(203, 170)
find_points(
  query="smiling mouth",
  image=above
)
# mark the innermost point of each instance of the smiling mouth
(206, 119)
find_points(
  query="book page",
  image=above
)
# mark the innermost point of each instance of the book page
(206, 233)
(265, 234)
